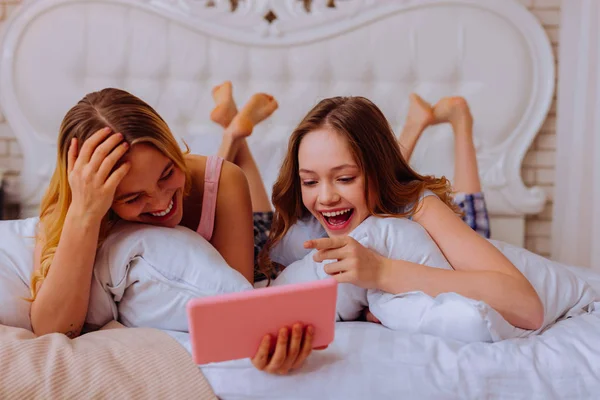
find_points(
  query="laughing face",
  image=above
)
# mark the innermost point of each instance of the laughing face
(333, 186)
(152, 190)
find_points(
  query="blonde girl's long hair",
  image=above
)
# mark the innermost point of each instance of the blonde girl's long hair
(395, 186)
(123, 113)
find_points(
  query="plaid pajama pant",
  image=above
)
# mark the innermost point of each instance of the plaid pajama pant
(475, 212)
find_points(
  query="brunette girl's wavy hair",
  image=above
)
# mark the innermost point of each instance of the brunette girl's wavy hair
(394, 185)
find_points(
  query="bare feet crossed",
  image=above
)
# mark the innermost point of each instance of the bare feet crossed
(257, 109)
(237, 126)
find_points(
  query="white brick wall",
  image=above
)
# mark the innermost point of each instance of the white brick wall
(10, 153)
(538, 167)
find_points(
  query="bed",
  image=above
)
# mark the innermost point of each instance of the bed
(172, 52)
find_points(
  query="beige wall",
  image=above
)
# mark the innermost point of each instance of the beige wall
(538, 168)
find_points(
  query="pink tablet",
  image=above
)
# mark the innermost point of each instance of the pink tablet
(231, 326)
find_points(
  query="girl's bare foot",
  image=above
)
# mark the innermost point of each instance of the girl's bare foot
(454, 110)
(258, 108)
(420, 114)
(225, 109)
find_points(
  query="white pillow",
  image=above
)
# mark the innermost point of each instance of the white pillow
(291, 247)
(448, 315)
(590, 276)
(144, 275)
(562, 293)
(17, 242)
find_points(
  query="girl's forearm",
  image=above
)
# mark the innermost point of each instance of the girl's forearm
(514, 298)
(466, 174)
(62, 301)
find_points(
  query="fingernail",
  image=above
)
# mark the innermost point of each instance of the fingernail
(107, 129)
(310, 329)
(125, 144)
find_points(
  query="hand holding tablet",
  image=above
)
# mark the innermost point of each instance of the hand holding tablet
(232, 326)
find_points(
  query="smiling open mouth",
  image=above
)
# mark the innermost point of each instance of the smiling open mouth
(339, 219)
(166, 213)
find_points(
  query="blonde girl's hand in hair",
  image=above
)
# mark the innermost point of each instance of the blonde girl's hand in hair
(91, 177)
(291, 349)
(355, 264)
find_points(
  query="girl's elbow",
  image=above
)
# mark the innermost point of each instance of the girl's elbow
(535, 317)
(531, 314)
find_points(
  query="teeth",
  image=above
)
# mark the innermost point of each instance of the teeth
(335, 213)
(165, 212)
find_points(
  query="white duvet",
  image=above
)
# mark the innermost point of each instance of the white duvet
(369, 361)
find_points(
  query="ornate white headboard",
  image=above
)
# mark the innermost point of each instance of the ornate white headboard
(171, 53)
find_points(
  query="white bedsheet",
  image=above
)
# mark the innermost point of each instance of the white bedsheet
(368, 361)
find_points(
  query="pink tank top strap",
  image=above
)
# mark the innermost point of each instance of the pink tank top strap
(209, 198)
